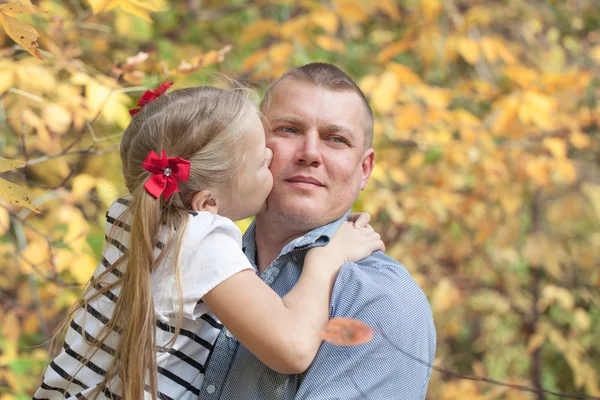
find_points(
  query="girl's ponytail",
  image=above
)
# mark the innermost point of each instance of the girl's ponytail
(135, 307)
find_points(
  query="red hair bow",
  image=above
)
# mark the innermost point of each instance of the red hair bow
(148, 96)
(166, 174)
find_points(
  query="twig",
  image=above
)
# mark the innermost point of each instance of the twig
(21, 244)
(26, 94)
(45, 158)
(485, 379)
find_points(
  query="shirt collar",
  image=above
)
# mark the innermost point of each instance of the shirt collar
(317, 237)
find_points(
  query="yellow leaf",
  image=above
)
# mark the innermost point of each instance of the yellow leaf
(280, 53)
(330, 44)
(25, 35)
(408, 117)
(368, 83)
(564, 170)
(537, 109)
(258, 30)
(511, 203)
(351, 11)
(326, 20)
(392, 50)
(506, 114)
(595, 54)
(539, 171)
(137, 11)
(389, 7)
(253, 60)
(149, 5)
(82, 184)
(31, 324)
(16, 195)
(385, 93)
(295, 27)
(560, 295)
(556, 146)
(579, 140)
(36, 257)
(468, 49)
(431, 8)
(445, 296)
(134, 7)
(488, 49)
(19, 8)
(57, 118)
(6, 75)
(105, 99)
(536, 340)
(107, 191)
(4, 221)
(416, 160)
(581, 319)
(535, 249)
(83, 269)
(7, 165)
(434, 97)
(99, 6)
(592, 192)
(403, 73)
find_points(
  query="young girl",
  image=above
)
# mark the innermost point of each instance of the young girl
(194, 160)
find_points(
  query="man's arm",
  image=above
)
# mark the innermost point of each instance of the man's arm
(386, 298)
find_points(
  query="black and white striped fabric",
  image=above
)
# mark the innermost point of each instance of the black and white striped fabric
(211, 252)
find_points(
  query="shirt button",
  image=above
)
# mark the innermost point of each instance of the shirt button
(210, 389)
(228, 334)
(295, 258)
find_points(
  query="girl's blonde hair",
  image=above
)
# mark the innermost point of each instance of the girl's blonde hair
(206, 126)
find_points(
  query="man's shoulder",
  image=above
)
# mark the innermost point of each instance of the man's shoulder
(382, 281)
(382, 270)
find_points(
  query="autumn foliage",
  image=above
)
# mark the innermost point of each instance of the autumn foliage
(487, 178)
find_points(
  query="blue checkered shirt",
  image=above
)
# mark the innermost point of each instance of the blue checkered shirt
(378, 291)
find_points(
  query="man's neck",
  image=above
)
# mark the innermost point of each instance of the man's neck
(270, 239)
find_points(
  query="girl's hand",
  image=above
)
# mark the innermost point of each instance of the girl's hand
(360, 219)
(348, 244)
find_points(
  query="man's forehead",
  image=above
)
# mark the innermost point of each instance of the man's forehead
(294, 99)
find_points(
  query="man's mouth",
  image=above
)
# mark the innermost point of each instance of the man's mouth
(304, 181)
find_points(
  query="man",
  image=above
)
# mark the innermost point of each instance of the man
(320, 128)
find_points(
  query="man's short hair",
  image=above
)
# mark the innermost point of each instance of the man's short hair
(329, 77)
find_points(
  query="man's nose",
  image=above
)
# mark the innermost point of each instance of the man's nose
(309, 152)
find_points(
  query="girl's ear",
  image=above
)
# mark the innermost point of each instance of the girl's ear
(204, 201)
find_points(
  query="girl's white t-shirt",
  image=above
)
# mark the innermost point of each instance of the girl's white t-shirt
(210, 253)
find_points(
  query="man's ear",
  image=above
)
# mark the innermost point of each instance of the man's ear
(204, 201)
(367, 163)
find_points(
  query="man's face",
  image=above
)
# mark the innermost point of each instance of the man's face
(319, 163)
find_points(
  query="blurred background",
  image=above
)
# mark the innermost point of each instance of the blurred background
(487, 178)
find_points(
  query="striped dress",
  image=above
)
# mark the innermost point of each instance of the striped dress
(210, 253)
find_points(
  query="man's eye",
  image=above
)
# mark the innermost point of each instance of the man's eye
(337, 139)
(287, 129)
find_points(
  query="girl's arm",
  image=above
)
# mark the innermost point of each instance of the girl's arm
(284, 332)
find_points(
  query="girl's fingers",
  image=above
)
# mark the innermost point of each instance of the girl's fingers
(360, 220)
